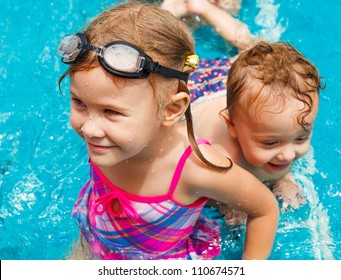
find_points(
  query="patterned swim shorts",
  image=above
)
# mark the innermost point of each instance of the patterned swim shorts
(209, 78)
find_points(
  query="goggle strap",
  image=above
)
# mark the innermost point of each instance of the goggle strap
(155, 67)
(87, 47)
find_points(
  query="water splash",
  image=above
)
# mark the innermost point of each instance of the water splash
(5, 116)
(23, 195)
(318, 221)
(267, 18)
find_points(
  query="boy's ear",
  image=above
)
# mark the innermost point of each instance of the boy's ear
(176, 108)
(229, 122)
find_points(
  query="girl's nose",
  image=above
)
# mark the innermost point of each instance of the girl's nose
(92, 129)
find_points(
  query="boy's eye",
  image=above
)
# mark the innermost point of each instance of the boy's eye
(303, 138)
(269, 143)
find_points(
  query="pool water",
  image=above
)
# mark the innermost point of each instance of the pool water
(43, 163)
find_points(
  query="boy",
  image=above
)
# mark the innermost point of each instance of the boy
(271, 105)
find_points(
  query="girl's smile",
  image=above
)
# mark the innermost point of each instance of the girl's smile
(111, 115)
(99, 148)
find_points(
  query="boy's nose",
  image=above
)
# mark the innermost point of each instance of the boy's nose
(287, 154)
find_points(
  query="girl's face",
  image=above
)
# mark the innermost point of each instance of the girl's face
(271, 139)
(117, 118)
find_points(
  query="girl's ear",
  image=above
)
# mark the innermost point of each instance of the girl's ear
(229, 122)
(176, 108)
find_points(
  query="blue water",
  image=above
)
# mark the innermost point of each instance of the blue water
(43, 163)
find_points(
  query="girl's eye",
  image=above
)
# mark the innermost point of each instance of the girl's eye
(111, 112)
(77, 102)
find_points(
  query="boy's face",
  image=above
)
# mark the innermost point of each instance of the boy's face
(116, 119)
(270, 136)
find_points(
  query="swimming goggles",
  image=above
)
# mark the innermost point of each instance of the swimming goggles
(119, 58)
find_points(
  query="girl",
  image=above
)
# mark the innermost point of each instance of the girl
(128, 72)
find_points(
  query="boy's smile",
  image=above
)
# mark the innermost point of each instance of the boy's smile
(270, 138)
(278, 167)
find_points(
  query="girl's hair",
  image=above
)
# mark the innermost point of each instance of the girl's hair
(155, 31)
(280, 68)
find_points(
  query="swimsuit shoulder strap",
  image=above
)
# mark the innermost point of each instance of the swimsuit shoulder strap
(181, 164)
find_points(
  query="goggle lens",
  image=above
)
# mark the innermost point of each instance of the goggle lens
(68, 48)
(122, 58)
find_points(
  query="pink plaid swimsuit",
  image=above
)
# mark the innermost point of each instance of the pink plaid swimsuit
(144, 227)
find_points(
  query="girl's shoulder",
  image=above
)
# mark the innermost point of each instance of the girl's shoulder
(199, 174)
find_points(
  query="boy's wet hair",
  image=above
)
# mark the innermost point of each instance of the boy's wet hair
(156, 32)
(279, 68)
